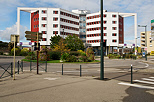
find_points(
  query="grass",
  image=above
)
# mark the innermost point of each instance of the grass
(58, 61)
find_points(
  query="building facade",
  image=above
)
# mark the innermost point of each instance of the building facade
(54, 21)
(150, 43)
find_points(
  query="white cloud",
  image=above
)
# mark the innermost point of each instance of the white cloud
(5, 34)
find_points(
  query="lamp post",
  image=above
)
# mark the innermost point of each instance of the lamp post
(136, 45)
(145, 40)
(63, 33)
(101, 43)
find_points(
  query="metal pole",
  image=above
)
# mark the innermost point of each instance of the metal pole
(80, 71)
(22, 66)
(46, 66)
(62, 69)
(37, 54)
(14, 61)
(102, 51)
(131, 74)
(18, 67)
(146, 43)
(30, 65)
(11, 69)
(63, 33)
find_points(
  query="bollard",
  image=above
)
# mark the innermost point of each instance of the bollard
(131, 74)
(18, 67)
(62, 69)
(46, 66)
(11, 69)
(80, 71)
(30, 65)
(22, 66)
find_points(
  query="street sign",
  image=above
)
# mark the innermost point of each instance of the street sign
(29, 32)
(33, 36)
(145, 48)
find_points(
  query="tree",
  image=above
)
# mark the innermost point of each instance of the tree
(10, 46)
(61, 46)
(74, 43)
(55, 40)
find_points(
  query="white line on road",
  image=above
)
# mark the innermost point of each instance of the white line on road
(135, 85)
(51, 78)
(143, 81)
(72, 71)
(147, 65)
(151, 77)
(147, 79)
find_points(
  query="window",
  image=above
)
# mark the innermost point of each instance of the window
(55, 19)
(105, 22)
(114, 40)
(38, 19)
(44, 39)
(55, 32)
(44, 25)
(55, 25)
(44, 32)
(105, 28)
(114, 28)
(34, 26)
(114, 34)
(55, 12)
(44, 18)
(105, 34)
(105, 15)
(38, 26)
(44, 11)
(114, 16)
(34, 19)
(114, 22)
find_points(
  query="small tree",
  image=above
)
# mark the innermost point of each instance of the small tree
(90, 54)
(55, 40)
(10, 46)
(74, 43)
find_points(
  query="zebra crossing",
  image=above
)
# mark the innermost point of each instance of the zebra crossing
(147, 83)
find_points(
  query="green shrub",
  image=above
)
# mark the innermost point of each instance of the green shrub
(24, 52)
(54, 55)
(31, 56)
(64, 56)
(1, 53)
(71, 58)
(17, 51)
(43, 55)
(90, 54)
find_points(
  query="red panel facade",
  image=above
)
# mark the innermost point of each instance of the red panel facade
(121, 30)
(35, 22)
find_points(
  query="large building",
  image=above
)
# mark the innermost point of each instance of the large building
(150, 43)
(54, 21)
(83, 23)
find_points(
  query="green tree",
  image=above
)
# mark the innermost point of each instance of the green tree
(74, 43)
(10, 46)
(55, 40)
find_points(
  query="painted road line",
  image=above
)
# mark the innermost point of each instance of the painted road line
(147, 79)
(144, 82)
(147, 65)
(151, 77)
(71, 71)
(135, 85)
(51, 78)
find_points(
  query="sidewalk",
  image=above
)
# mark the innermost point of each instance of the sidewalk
(48, 87)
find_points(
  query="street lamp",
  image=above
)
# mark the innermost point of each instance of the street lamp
(63, 33)
(145, 40)
(136, 45)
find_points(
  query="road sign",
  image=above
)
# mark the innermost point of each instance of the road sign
(33, 36)
(33, 33)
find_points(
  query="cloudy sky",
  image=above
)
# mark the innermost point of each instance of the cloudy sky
(8, 16)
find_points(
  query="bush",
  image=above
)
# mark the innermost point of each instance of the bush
(17, 51)
(64, 56)
(71, 58)
(43, 55)
(1, 53)
(24, 52)
(31, 56)
(54, 55)
(90, 54)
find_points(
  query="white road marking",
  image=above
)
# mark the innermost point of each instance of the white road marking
(72, 71)
(138, 86)
(147, 79)
(143, 81)
(51, 78)
(151, 77)
(147, 65)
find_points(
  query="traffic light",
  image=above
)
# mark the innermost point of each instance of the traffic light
(35, 46)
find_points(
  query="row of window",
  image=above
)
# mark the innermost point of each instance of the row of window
(69, 15)
(99, 28)
(45, 11)
(36, 26)
(99, 22)
(70, 28)
(66, 33)
(36, 19)
(97, 16)
(98, 41)
(95, 35)
(68, 21)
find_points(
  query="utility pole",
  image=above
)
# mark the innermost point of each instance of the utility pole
(102, 51)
